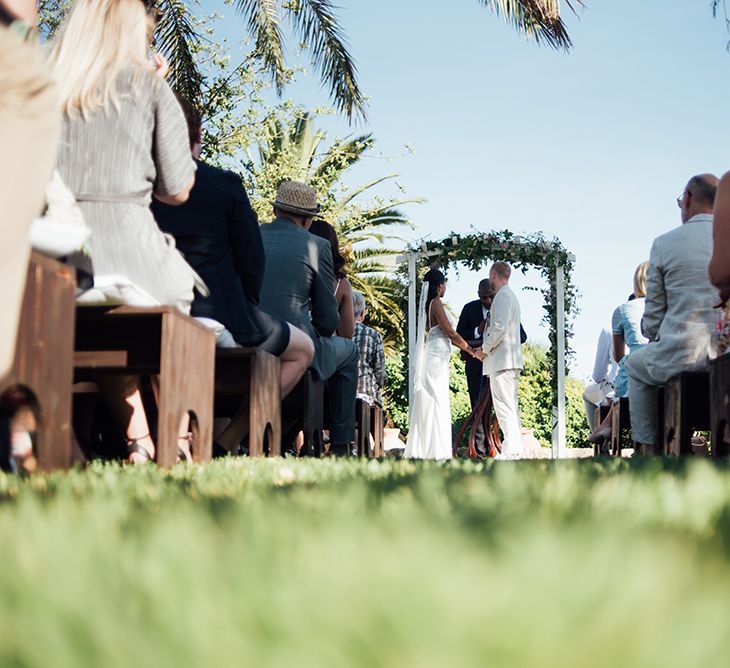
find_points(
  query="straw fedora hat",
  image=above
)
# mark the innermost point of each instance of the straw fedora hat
(297, 197)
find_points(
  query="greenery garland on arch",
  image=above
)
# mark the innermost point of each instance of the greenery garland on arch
(521, 252)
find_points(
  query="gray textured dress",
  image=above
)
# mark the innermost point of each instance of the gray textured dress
(113, 162)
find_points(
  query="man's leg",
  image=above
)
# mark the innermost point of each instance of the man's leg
(473, 371)
(481, 427)
(504, 394)
(643, 411)
(341, 391)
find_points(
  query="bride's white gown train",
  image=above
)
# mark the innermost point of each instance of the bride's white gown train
(429, 432)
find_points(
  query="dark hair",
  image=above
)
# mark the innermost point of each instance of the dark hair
(193, 118)
(435, 277)
(322, 228)
(703, 188)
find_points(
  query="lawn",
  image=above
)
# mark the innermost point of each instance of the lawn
(347, 563)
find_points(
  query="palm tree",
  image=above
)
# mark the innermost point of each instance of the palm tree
(291, 148)
(313, 24)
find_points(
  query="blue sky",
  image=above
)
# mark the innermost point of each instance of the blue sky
(592, 147)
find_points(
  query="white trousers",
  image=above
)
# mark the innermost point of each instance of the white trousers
(504, 395)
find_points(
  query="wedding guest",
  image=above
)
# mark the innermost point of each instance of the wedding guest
(124, 139)
(29, 127)
(219, 234)
(678, 314)
(626, 323)
(371, 366)
(342, 286)
(503, 358)
(604, 373)
(299, 287)
(719, 268)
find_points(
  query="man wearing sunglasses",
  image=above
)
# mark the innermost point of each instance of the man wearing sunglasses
(679, 316)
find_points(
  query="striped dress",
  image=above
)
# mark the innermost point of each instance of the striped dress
(113, 161)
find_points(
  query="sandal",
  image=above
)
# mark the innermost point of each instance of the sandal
(134, 447)
(183, 454)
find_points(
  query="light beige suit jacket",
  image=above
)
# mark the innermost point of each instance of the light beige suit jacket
(679, 317)
(502, 339)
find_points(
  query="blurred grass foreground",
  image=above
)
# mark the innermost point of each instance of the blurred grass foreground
(348, 563)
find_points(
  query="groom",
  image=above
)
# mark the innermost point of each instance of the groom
(503, 361)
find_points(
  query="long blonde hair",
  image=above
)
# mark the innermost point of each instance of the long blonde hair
(96, 41)
(640, 279)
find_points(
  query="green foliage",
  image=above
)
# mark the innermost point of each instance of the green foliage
(522, 252)
(345, 563)
(535, 399)
(290, 147)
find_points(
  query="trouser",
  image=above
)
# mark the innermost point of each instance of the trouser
(481, 429)
(504, 396)
(590, 413)
(29, 131)
(643, 390)
(341, 391)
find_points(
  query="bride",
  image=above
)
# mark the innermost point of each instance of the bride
(429, 431)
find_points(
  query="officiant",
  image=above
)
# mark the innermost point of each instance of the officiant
(472, 321)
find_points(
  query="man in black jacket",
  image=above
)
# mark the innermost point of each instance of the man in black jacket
(219, 234)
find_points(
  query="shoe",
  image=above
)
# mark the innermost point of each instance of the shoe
(343, 449)
(600, 436)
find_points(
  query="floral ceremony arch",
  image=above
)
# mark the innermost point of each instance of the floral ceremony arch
(522, 252)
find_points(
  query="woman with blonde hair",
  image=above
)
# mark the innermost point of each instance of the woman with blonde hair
(626, 325)
(124, 139)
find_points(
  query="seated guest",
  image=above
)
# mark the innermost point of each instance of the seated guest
(123, 140)
(218, 233)
(371, 367)
(679, 315)
(604, 374)
(342, 286)
(626, 322)
(299, 288)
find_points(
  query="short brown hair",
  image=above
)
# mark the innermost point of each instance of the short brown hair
(502, 269)
(193, 118)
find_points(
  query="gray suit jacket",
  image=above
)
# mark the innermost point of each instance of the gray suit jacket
(299, 273)
(679, 317)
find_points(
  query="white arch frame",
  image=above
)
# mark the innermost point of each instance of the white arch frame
(559, 436)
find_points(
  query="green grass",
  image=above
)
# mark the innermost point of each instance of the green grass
(326, 563)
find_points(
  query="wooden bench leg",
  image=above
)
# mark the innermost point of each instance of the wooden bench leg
(362, 413)
(265, 406)
(187, 382)
(44, 356)
(313, 417)
(376, 428)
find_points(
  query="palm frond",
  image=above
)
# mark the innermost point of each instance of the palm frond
(315, 22)
(176, 38)
(538, 19)
(264, 23)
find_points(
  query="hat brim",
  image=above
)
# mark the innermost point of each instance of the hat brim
(295, 209)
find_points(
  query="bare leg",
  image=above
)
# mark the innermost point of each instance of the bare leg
(125, 400)
(295, 360)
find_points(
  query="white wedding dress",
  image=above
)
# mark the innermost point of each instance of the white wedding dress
(429, 431)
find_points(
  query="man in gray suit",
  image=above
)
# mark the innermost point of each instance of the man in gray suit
(299, 287)
(679, 316)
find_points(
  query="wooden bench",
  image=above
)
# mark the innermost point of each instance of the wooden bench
(362, 427)
(43, 364)
(303, 410)
(156, 341)
(686, 410)
(252, 376)
(377, 427)
(720, 404)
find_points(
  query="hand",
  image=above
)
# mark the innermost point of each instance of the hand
(478, 353)
(160, 65)
(482, 326)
